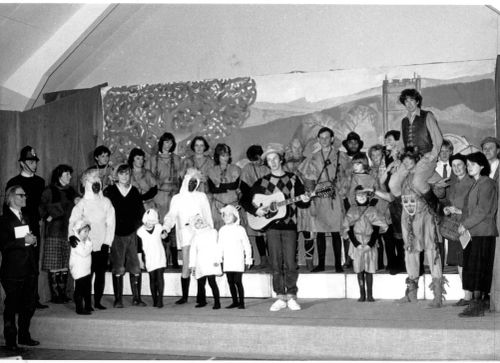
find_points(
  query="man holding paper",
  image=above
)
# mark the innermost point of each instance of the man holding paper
(18, 271)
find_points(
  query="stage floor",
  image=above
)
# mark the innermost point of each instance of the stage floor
(323, 329)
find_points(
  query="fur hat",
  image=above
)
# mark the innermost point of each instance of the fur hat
(150, 216)
(353, 136)
(273, 147)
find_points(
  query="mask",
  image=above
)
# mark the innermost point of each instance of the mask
(192, 184)
(96, 187)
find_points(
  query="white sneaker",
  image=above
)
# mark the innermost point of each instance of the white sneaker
(293, 304)
(278, 305)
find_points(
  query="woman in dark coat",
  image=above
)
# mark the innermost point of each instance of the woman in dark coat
(478, 218)
(58, 199)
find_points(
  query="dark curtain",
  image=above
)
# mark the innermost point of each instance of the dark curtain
(62, 132)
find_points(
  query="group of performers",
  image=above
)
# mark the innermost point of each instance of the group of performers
(209, 208)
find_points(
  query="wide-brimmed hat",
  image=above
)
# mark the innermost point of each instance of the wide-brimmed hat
(273, 147)
(491, 139)
(353, 136)
(28, 153)
(458, 157)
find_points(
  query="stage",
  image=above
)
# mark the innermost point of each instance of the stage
(325, 328)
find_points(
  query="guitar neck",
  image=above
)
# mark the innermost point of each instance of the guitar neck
(293, 200)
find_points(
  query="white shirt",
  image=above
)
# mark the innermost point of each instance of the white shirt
(439, 168)
(493, 168)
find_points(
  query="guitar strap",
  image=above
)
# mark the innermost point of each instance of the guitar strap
(325, 169)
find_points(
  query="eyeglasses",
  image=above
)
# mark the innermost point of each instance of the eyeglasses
(21, 195)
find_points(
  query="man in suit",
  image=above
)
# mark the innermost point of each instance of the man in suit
(18, 271)
(33, 185)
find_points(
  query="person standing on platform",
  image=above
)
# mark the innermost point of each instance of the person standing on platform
(151, 234)
(236, 254)
(362, 224)
(129, 210)
(205, 259)
(184, 206)
(491, 146)
(281, 233)
(479, 219)
(101, 158)
(200, 161)
(33, 186)
(167, 169)
(250, 173)
(98, 210)
(223, 182)
(419, 234)
(453, 203)
(327, 167)
(18, 270)
(443, 168)
(80, 262)
(142, 178)
(420, 131)
(57, 202)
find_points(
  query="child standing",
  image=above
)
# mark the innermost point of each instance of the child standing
(80, 260)
(363, 223)
(151, 234)
(236, 254)
(205, 260)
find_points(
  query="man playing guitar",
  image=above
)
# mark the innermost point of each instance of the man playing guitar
(281, 233)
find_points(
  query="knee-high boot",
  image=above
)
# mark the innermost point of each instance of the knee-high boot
(185, 290)
(135, 286)
(173, 253)
(369, 287)
(63, 284)
(152, 286)
(321, 246)
(118, 291)
(361, 283)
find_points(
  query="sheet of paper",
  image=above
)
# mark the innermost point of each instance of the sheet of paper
(21, 231)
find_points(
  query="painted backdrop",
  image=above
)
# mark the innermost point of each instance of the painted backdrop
(281, 108)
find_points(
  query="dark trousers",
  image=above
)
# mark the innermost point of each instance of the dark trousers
(261, 245)
(201, 296)
(337, 248)
(20, 298)
(83, 290)
(236, 286)
(282, 245)
(157, 283)
(99, 267)
(394, 249)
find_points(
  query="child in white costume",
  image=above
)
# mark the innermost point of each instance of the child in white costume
(80, 261)
(183, 207)
(236, 254)
(151, 234)
(205, 260)
(362, 224)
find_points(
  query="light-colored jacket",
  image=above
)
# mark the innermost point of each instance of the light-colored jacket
(205, 253)
(235, 246)
(80, 259)
(154, 252)
(479, 215)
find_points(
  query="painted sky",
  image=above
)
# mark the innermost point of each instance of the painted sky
(283, 88)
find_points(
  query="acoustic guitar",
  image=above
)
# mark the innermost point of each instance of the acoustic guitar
(275, 206)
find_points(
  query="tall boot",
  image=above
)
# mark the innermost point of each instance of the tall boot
(135, 286)
(63, 284)
(337, 251)
(99, 281)
(160, 285)
(437, 287)
(54, 296)
(152, 287)
(321, 246)
(185, 290)
(118, 291)
(361, 283)
(173, 253)
(369, 287)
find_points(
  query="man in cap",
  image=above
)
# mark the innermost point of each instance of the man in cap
(281, 233)
(33, 186)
